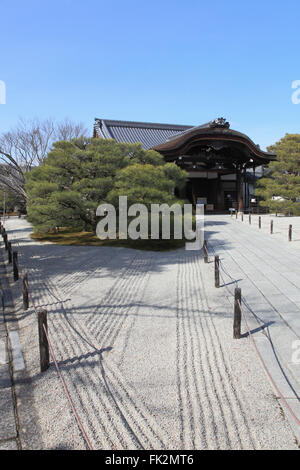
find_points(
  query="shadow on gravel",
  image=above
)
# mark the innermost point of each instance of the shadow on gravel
(75, 361)
(258, 329)
(18, 230)
(62, 446)
(230, 283)
(99, 262)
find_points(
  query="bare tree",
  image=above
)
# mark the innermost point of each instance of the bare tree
(68, 130)
(27, 145)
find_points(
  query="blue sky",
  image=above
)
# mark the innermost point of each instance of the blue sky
(182, 62)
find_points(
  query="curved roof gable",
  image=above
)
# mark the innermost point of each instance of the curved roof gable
(218, 129)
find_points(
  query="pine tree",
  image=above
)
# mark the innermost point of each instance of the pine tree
(77, 176)
(280, 190)
(12, 201)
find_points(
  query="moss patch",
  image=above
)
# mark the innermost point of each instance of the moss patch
(66, 237)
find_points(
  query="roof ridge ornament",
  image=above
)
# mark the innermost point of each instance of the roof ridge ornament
(219, 122)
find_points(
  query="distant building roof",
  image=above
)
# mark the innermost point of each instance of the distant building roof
(148, 134)
(172, 140)
(217, 130)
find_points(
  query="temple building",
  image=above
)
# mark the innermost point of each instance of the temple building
(220, 161)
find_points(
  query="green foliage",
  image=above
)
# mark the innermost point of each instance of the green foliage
(12, 201)
(145, 184)
(77, 176)
(281, 189)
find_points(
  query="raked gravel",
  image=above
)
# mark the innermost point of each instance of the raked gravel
(144, 342)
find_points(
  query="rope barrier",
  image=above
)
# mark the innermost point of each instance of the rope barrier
(80, 425)
(67, 392)
(227, 274)
(62, 378)
(282, 229)
(255, 346)
(60, 375)
(266, 369)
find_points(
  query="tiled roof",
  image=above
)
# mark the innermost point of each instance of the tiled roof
(171, 139)
(219, 129)
(148, 134)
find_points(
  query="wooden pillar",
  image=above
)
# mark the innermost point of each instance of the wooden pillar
(205, 252)
(239, 189)
(193, 194)
(43, 340)
(15, 265)
(237, 313)
(25, 292)
(219, 194)
(217, 271)
(244, 188)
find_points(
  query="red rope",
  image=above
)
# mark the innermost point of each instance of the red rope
(58, 369)
(67, 391)
(260, 356)
(266, 369)
(88, 443)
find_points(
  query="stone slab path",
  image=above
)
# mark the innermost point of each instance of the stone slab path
(267, 268)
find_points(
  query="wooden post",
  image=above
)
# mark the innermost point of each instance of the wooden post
(249, 219)
(43, 342)
(5, 240)
(237, 313)
(205, 251)
(290, 232)
(2, 302)
(217, 271)
(9, 252)
(239, 188)
(259, 222)
(220, 203)
(271, 227)
(15, 265)
(25, 292)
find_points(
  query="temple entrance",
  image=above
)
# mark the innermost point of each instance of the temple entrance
(216, 191)
(216, 159)
(230, 200)
(203, 190)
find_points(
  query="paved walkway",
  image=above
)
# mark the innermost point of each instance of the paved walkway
(267, 268)
(144, 341)
(280, 226)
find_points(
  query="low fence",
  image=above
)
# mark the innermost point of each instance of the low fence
(289, 229)
(45, 346)
(239, 314)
